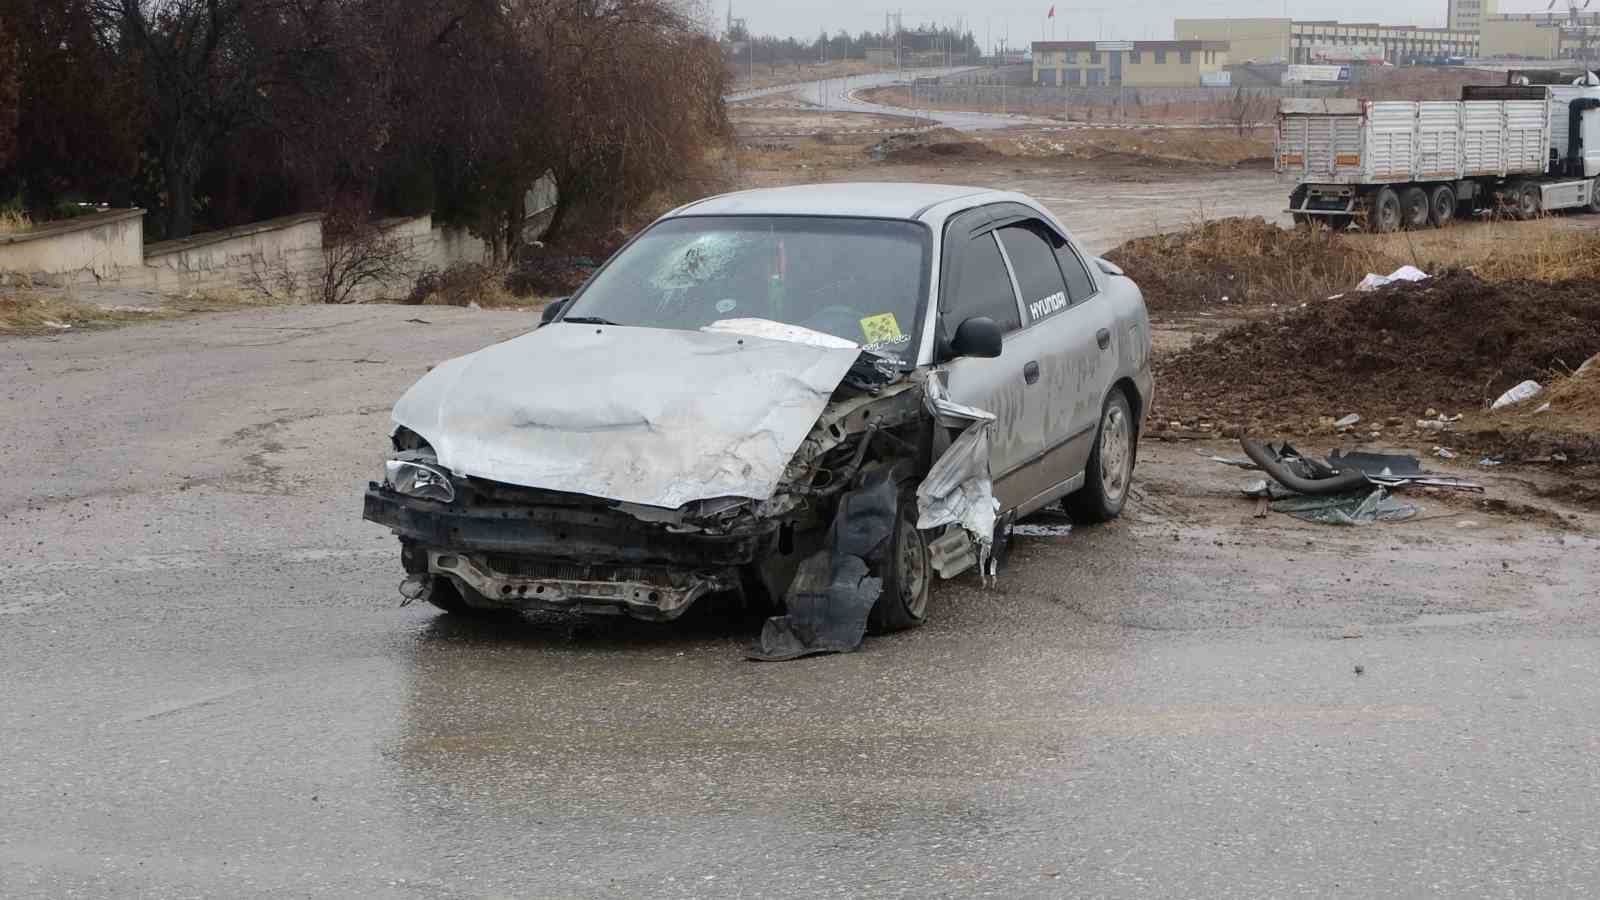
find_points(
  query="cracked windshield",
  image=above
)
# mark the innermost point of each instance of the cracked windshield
(857, 279)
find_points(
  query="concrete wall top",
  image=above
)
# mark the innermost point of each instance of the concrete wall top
(227, 234)
(68, 226)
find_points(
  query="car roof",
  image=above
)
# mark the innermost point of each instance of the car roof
(886, 200)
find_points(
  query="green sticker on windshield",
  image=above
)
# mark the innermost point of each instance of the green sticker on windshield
(881, 329)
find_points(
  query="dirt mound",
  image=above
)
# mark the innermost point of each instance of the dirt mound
(941, 144)
(1452, 343)
(1240, 262)
(1561, 424)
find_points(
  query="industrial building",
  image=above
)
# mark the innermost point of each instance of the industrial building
(1280, 40)
(1468, 15)
(1541, 36)
(1127, 63)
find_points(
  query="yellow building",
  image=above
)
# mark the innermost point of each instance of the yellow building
(1537, 35)
(1126, 63)
(1249, 40)
(1285, 40)
(1468, 15)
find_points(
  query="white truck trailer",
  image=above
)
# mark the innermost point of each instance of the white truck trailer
(1520, 147)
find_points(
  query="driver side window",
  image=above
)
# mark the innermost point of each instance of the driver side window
(982, 287)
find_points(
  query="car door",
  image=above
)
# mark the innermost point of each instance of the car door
(975, 280)
(1071, 335)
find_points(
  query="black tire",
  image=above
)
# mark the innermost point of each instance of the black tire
(1383, 215)
(907, 573)
(1527, 201)
(1414, 210)
(1110, 470)
(1442, 206)
(1594, 201)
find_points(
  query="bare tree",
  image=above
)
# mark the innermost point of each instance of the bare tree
(361, 255)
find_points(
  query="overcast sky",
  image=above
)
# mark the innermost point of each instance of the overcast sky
(1079, 20)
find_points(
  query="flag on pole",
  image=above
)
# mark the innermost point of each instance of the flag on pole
(1052, 13)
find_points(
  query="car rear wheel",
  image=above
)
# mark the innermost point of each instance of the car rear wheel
(1110, 470)
(907, 573)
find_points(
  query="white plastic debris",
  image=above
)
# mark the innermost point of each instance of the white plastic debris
(1348, 421)
(1444, 453)
(1374, 281)
(1488, 461)
(1524, 391)
(52, 323)
(1543, 407)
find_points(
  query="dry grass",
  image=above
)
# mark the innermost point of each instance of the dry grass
(36, 312)
(1242, 262)
(1546, 250)
(788, 73)
(12, 221)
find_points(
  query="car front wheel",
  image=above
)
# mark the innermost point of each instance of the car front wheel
(1110, 470)
(907, 573)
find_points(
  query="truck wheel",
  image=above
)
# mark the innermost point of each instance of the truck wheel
(907, 573)
(1110, 470)
(1529, 201)
(1414, 208)
(1594, 198)
(1383, 216)
(1442, 206)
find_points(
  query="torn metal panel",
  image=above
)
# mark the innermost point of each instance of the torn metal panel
(642, 415)
(959, 488)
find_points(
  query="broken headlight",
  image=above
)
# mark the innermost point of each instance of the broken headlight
(420, 480)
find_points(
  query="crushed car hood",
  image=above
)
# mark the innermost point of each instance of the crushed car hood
(642, 415)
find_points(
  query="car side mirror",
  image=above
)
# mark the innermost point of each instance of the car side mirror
(553, 310)
(978, 336)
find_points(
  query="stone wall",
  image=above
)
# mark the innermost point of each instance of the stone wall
(284, 257)
(86, 249)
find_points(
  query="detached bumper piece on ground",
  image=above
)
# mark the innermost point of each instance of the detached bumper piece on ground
(1343, 489)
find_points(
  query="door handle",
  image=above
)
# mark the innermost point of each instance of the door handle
(1030, 372)
(1103, 338)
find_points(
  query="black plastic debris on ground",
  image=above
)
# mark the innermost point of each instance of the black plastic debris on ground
(1348, 488)
(833, 591)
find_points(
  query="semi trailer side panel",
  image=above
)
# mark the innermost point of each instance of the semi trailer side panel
(1391, 140)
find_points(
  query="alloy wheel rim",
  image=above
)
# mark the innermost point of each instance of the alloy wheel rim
(913, 570)
(1114, 447)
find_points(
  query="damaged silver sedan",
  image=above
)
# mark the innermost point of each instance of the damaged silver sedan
(818, 397)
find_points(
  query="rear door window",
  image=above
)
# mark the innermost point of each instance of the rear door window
(982, 287)
(1080, 286)
(1029, 245)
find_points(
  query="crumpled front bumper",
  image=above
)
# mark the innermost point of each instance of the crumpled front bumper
(588, 559)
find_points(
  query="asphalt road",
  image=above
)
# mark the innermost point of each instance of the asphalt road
(210, 689)
(839, 94)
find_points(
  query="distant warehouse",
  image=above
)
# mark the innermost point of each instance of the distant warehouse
(1128, 63)
(1312, 42)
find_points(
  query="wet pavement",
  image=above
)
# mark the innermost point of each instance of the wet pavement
(211, 689)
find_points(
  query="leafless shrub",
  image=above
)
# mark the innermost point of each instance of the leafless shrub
(360, 256)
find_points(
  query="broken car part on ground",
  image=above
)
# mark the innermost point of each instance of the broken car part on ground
(1348, 488)
(787, 395)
